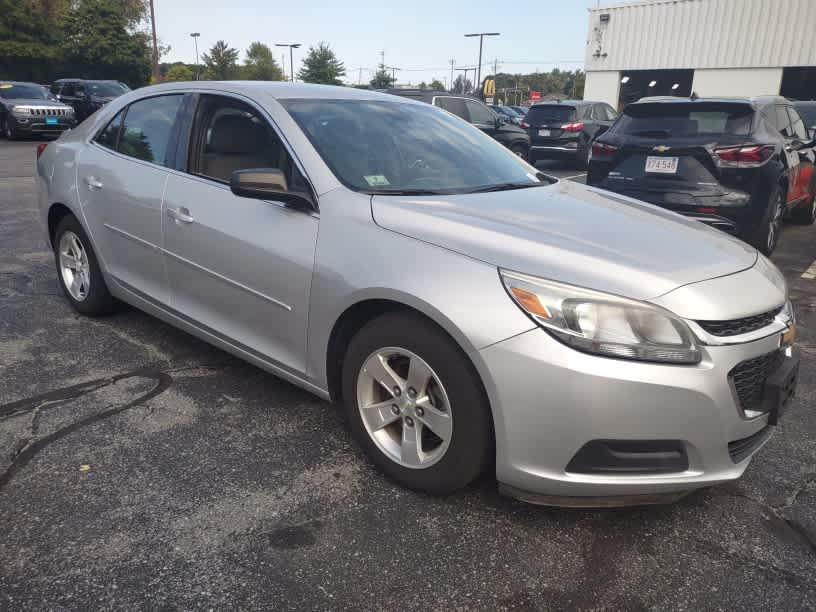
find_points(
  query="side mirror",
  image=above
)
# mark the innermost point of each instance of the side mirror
(268, 184)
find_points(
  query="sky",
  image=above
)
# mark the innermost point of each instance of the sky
(419, 36)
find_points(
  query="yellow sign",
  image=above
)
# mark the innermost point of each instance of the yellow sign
(490, 87)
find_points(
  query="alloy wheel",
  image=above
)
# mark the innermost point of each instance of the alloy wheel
(404, 407)
(74, 266)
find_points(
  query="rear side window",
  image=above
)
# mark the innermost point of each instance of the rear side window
(674, 119)
(781, 121)
(808, 113)
(147, 128)
(453, 105)
(109, 135)
(543, 113)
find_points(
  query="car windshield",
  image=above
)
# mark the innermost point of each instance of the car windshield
(664, 120)
(808, 113)
(22, 91)
(389, 147)
(106, 90)
(550, 112)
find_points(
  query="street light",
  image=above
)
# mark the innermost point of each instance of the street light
(481, 36)
(195, 36)
(291, 64)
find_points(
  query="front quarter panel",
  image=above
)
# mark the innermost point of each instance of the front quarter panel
(357, 260)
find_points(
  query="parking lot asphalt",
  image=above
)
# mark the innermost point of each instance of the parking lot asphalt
(142, 468)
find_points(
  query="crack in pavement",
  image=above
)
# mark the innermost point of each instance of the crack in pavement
(24, 455)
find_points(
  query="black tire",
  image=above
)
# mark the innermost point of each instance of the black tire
(471, 444)
(98, 301)
(521, 150)
(760, 237)
(8, 131)
(805, 215)
(583, 156)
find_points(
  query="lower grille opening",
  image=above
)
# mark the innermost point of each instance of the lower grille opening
(743, 448)
(749, 379)
(630, 457)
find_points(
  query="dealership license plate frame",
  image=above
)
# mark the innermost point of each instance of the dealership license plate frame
(661, 165)
(545, 133)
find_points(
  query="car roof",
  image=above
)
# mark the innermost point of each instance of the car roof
(276, 89)
(754, 100)
(563, 103)
(21, 83)
(86, 81)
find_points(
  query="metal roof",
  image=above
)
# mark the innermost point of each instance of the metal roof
(666, 34)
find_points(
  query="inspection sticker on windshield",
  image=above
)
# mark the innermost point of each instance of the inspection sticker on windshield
(376, 180)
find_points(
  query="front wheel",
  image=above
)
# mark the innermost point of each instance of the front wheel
(415, 404)
(765, 236)
(521, 151)
(8, 131)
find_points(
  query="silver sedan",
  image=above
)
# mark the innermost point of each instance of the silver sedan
(467, 311)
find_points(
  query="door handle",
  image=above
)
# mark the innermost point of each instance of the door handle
(180, 214)
(93, 183)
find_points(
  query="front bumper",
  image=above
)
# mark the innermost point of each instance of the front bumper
(550, 400)
(38, 125)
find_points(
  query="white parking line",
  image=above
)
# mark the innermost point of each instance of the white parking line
(810, 273)
(582, 175)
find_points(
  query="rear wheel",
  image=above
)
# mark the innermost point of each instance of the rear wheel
(415, 405)
(520, 150)
(805, 215)
(583, 156)
(765, 236)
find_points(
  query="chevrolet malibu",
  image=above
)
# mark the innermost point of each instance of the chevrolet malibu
(469, 313)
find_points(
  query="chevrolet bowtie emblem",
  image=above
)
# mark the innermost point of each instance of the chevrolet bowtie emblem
(661, 148)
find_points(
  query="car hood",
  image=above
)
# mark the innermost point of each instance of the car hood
(571, 233)
(33, 102)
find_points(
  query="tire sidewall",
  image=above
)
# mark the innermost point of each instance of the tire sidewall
(99, 300)
(471, 445)
(760, 233)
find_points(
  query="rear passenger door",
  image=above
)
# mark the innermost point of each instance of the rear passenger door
(121, 177)
(803, 187)
(239, 268)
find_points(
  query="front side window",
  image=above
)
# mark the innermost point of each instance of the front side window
(455, 106)
(230, 136)
(782, 121)
(386, 147)
(109, 136)
(480, 114)
(106, 90)
(147, 126)
(610, 113)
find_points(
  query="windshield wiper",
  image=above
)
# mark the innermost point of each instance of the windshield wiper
(506, 187)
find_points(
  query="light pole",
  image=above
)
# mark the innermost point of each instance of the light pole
(393, 70)
(481, 36)
(195, 36)
(291, 55)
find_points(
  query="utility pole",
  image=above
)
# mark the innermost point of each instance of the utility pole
(292, 47)
(360, 76)
(195, 36)
(481, 36)
(452, 62)
(393, 73)
(156, 74)
(464, 82)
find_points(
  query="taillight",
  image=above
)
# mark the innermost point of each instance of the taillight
(524, 124)
(744, 156)
(41, 148)
(573, 127)
(603, 151)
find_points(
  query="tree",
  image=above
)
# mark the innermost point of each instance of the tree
(382, 78)
(221, 63)
(423, 85)
(179, 72)
(322, 66)
(260, 64)
(437, 85)
(97, 44)
(461, 84)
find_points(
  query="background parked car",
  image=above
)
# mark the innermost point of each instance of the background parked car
(87, 96)
(738, 165)
(507, 113)
(27, 108)
(521, 110)
(478, 114)
(565, 130)
(807, 110)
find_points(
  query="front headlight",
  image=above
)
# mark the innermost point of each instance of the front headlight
(22, 111)
(601, 323)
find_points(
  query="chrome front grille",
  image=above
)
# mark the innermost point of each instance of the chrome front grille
(49, 111)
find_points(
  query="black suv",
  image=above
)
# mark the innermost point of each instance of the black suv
(565, 130)
(28, 108)
(737, 164)
(476, 113)
(86, 96)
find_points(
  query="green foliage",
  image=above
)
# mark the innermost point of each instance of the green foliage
(556, 82)
(322, 66)
(382, 78)
(221, 63)
(461, 84)
(423, 85)
(437, 84)
(97, 44)
(179, 72)
(260, 64)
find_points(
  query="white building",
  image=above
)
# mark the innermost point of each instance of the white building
(710, 47)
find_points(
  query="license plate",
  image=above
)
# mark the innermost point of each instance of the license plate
(780, 387)
(544, 133)
(661, 165)
(52, 121)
